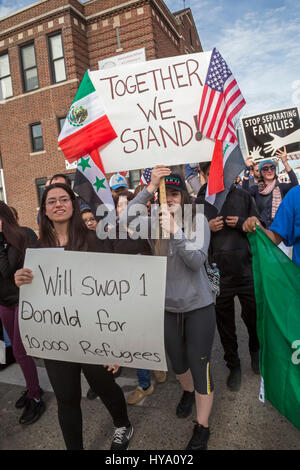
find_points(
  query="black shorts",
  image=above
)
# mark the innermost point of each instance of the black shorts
(189, 339)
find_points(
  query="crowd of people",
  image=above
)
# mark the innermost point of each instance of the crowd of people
(193, 307)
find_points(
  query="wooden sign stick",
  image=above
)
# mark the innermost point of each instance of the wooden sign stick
(163, 200)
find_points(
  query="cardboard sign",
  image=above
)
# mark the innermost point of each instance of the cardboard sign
(153, 107)
(265, 133)
(94, 308)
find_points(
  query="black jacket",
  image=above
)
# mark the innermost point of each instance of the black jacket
(229, 248)
(128, 246)
(264, 203)
(10, 262)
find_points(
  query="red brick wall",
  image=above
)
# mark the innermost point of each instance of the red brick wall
(86, 41)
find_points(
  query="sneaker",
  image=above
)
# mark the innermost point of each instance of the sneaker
(139, 394)
(199, 438)
(33, 411)
(234, 379)
(91, 395)
(160, 376)
(255, 362)
(22, 401)
(121, 438)
(185, 406)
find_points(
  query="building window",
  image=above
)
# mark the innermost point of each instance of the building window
(134, 178)
(36, 137)
(40, 185)
(61, 122)
(5, 78)
(119, 46)
(29, 68)
(57, 59)
(2, 187)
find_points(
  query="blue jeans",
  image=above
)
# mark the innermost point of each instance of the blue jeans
(143, 378)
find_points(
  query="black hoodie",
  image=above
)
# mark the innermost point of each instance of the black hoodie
(229, 247)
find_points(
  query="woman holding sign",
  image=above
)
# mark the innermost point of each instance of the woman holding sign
(190, 320)
(62, 226)
(269, 192)
(13, 242)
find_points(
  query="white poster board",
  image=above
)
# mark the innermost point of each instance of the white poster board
(153, 107)
(94, 308)
(132, 57)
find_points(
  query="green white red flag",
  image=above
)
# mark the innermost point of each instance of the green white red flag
(87, 126)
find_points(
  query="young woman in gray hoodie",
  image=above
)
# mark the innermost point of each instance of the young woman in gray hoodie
(189, 303)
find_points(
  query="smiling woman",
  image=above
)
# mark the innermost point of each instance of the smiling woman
(62, 225)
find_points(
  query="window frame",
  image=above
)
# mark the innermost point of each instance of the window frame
(131, 180)
(51, 60)
(58, 122)
(6, 76)
(33, 138)
(21, 47)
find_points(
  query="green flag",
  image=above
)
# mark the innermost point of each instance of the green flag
(277, 292)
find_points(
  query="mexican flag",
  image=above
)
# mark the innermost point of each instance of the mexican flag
(91, 185)
(87, 126)
(277, 281)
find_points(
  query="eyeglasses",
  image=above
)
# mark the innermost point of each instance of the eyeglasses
(268, 168)
(62, 200)
(90, 221)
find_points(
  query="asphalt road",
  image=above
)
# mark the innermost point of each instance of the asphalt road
(239, 421)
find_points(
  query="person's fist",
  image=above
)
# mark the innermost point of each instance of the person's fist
(249, 224)
(231, 221)
(216, 224)
(23, 276)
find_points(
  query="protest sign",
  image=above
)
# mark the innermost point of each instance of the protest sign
(94, 308)
(154, 108)
(132, 57)
(265, 133)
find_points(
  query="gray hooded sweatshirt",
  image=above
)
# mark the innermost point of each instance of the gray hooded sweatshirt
(187, 287)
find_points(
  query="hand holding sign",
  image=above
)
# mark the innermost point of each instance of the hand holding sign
(282, 154)
(157, 173)
(23, 276)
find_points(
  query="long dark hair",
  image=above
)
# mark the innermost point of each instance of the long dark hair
(13, 233)
(160, 245)
(77, 230)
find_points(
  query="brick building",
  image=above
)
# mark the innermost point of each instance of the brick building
(45, 49)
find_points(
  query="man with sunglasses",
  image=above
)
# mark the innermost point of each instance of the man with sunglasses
(268, 193)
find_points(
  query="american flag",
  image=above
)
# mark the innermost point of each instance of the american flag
(221, 101)
(146, 176)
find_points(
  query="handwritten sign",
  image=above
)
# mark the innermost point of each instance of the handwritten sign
(153, 107)
(94, 308)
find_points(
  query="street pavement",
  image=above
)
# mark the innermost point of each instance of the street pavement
(239, 421)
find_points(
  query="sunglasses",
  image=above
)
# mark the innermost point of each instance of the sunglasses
(268, 168)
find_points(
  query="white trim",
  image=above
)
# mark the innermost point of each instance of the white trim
(23, 9)
(44, 15)
(67, 82)
(33, 154)
(108, 10)
(169, 22)
(3, 185)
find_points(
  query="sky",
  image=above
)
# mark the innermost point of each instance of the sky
(259, 39)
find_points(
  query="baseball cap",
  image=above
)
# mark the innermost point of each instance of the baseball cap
(117, 181)
(175, 181)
